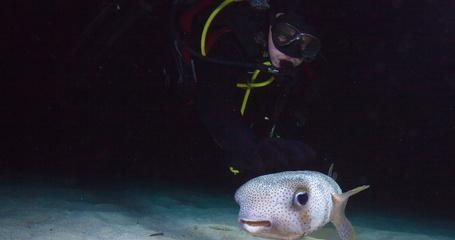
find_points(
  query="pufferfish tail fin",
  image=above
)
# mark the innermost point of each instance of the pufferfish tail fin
(338, 218)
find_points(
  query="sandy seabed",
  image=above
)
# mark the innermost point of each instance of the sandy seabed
(50, 212)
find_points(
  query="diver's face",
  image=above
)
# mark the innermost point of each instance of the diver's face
(276, 56)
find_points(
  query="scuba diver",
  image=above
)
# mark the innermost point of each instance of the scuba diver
(246, 58)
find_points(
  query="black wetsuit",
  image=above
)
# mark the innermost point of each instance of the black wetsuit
(246, 140)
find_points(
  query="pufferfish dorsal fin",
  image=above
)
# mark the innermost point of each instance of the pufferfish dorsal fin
(331, 173)
(338, 218)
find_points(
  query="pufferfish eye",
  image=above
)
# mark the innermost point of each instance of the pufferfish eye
(301, 198)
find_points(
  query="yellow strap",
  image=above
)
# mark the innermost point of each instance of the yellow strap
(256, 85)
(252, 84)
(233, 170)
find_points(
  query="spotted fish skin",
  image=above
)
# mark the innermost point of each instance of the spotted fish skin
(269, 207)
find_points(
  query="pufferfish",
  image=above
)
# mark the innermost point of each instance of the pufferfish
(293, 204)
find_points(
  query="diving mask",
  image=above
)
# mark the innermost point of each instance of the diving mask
(293, 42)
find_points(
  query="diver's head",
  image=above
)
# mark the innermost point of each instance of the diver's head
(292, 39)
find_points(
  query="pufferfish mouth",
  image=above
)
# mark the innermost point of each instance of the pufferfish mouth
(256, 223)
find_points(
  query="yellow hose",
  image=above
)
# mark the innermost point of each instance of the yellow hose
(246, 86)
(210, 20)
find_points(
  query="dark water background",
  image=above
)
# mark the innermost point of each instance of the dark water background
(385, 111)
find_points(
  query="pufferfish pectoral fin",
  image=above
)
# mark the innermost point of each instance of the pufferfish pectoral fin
(338, 218)
(312, 238)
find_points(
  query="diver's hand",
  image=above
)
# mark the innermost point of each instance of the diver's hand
(283, 154)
